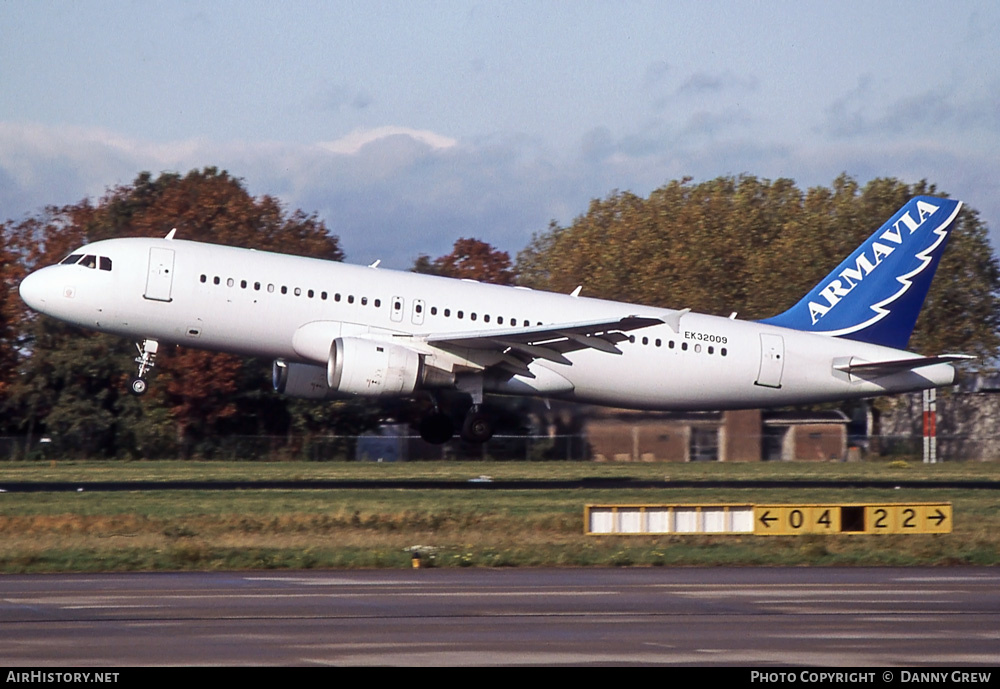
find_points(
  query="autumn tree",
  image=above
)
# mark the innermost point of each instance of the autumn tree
(71, 382)
(756, 246)
(11, 313)
(471, 259)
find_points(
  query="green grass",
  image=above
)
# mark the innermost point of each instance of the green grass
(274, 529)
(289, 471)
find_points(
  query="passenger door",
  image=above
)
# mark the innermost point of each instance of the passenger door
(160, 278)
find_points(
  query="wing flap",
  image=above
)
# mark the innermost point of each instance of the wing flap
(515, 348)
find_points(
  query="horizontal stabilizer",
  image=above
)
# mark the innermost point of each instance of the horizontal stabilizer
(874, 369)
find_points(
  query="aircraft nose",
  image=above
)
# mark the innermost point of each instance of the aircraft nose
(34, 290)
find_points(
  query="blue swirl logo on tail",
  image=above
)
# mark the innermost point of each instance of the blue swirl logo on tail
(876, 294)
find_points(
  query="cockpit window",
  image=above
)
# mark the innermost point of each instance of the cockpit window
(88, 261)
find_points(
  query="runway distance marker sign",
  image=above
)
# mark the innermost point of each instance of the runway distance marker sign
(770, 519)
(857, 518)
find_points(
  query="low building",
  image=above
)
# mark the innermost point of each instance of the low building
(732, 436)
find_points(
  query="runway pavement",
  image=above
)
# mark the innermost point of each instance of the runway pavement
(431, 617)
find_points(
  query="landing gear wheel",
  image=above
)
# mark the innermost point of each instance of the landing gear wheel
(137, 386)
(478, 427)
(146, 360)
(437, 428)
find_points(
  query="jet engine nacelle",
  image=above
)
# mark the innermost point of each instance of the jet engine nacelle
(304, 381)
(358, 366)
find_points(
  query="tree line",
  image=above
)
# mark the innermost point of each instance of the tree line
(730, 244)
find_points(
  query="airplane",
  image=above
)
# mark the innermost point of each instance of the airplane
(336, 330)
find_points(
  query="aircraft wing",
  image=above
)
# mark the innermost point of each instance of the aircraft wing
(514, 349)
(874, 369)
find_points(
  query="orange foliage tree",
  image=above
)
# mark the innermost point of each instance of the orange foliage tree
(71, 382)
(470, 259)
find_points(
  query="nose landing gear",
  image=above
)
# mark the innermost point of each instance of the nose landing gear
(146, 360)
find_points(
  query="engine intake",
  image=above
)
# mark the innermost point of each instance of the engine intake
(358, 366)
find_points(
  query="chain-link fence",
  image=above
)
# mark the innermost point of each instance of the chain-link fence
(329, 448)
(530, 448)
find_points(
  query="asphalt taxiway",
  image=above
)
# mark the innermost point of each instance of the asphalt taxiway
(431, 617)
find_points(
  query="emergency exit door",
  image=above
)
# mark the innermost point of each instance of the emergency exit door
(772, 360)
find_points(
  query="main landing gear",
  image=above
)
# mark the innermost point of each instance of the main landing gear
(478, 426)
(146, 360)
(438, 428)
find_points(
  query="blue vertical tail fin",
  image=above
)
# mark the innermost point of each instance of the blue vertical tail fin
(876, 294)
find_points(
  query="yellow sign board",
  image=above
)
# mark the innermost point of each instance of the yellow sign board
(875, 518)
(768, 520)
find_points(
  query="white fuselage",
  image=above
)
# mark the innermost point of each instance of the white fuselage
(286, 307)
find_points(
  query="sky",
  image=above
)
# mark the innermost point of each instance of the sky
(407, 125)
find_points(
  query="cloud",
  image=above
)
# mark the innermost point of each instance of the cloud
(359, 138)
(395, 192)
(938, 110)
(391, 192)
(714, 83)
